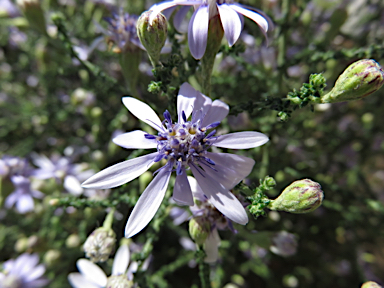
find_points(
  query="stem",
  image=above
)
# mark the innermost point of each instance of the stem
(282, 40)
(204, 269)
(109, 219)
(129, 62)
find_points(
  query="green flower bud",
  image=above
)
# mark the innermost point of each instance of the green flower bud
(51, 257)
(119, 281)
(100, 244)
(72, 241)
(152, 32)
(357, 81)
(301, 196)
(370, 284)
(34, 13)
(199, 229)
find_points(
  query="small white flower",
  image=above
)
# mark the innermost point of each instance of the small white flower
(231, 16)
(23, 272)
(92, 276)
(184, 146)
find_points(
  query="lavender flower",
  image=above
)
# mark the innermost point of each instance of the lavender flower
(10, 165)
(23, 272)
(182, 145)
(230, 17)
(93, 276)
(23, 195)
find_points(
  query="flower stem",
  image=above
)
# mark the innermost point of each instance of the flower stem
(204, 269)
(109, 219)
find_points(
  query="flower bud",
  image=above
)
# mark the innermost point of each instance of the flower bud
(72, 241)
(370, 284)
(51, 257)
(119, 281)
(100, 244)
(34, 13)
(152, 32)
(357, 81)
(199, 229)
(301, 196)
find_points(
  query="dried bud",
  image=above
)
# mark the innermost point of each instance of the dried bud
(370, 284)
(199, 229)
(152, 32)
(357, 81)
(119, 281)
(301, 196)
(34, 13)
(99, 244)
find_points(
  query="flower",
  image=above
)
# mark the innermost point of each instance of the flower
(182, 145)
(92, 276)
(23, 272)
(23, 195)
(230, 15)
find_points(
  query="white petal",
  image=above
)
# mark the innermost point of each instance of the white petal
(92, 272)
(144, 112)
(72, 185)
(25, 204)
(11, 199)
(211, 247)
(217, 112)
(231, 168)
(37, 272)
(198, 31)
(182, 193)
(179, 17)
(256, 17)
(241, 140)
(135, 140)
(78, 280)
(196, 189)
(148, 203)
(231, 23)
(121, 261)
(188, 100)
(157, 8)
(120, 173)
(221, 198)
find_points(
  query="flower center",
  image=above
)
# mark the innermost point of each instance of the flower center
(185, 143)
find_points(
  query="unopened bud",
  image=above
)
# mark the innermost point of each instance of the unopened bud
(51, 257)
(301, 196)
(199, 229)
(357, 81)
(100, 244)
(119, 281)
(72, 241)
(152, 32)
(370, 284)
(34, 13)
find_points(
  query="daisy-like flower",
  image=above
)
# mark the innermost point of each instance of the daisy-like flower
(231, 16)
(92, 276)
(183, 145)
(23, 272)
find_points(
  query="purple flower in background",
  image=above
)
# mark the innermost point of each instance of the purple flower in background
(231, 17)
(23, 272)
(10, 165)
(23, 195)
(62, 169)
(183, 145)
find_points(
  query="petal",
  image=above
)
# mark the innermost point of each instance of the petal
(231, 168)
(211, 247)
(25, 204)
(231, 23)
(196, 190)
(198, 31)
(148, 203)
(241, 140)
(92, 272)
(11, 199)
(135, 140)
(179, 17)
(256, 17)
(121, 261)
(157, 8)
(78, 280)
(218, 111)
(220, 197)
(120, 173)
(37, 272)
(182, 193)
(72, 185)
(144, 112)
(188, 99)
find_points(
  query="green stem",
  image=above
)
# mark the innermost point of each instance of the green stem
(282, 40)
(204, 269)
(109, 219)
(129, 62)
